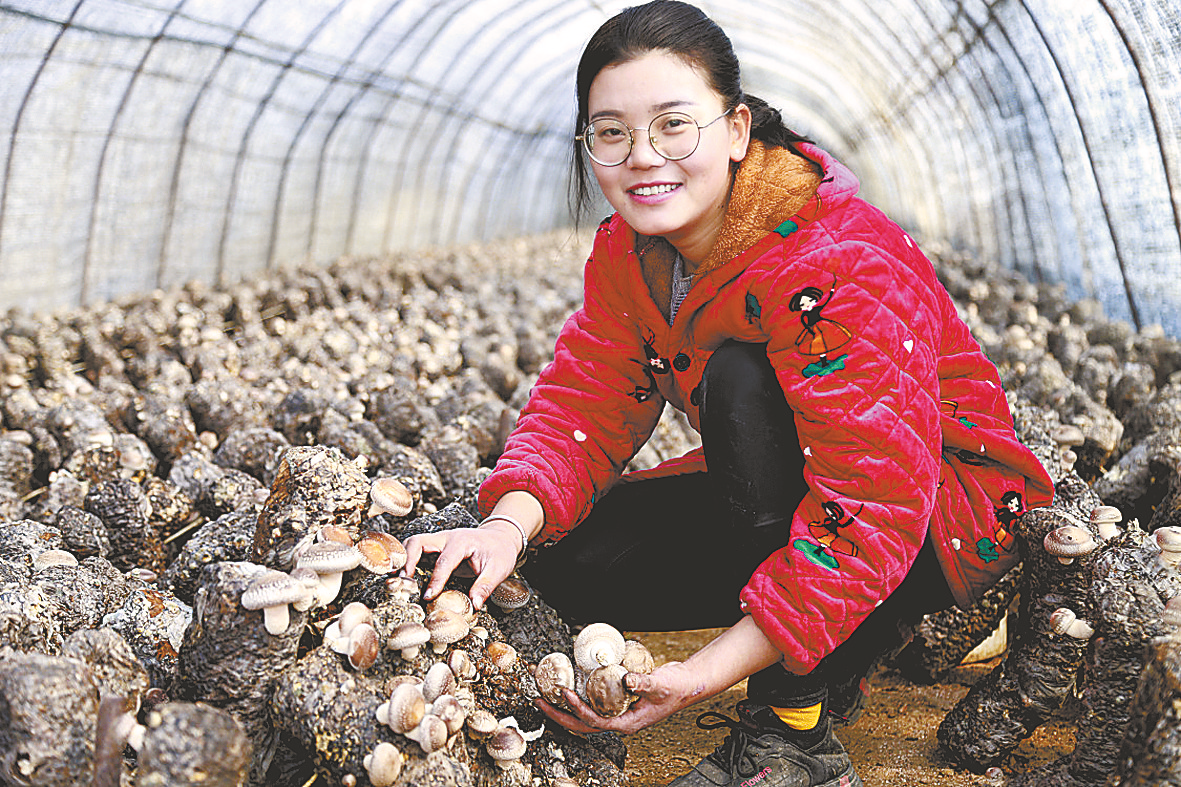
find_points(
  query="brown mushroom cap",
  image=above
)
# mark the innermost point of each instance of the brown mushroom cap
(506, 746)
(1101, 514)
(1168, 538)
(481, 723)
(502, 655)
(430, 734)
(456, 601)
(1064, 621)
(381, 553)
(363, 646)
(605, 692)
(271, 592)
(554, 672)
(390, 496)
(408, 638)
(329, 559)
(597, 645)
(637, 657)
(1069, 542)
(445, 627)
(439, 680)
(401, 588)
(353, 614)
(447, 708)
(404, 709)
(383, 764)
(461, 665)
(512, 593)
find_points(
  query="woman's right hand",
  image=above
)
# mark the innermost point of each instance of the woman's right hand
(490, 550)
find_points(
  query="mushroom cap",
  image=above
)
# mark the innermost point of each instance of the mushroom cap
(1171, 616)
(1068, 435)
(408, 635)
(481, 723)
(330, 557)
(381, 553)
(512, 593)
(447, 708)
(354, 613)
(401, 586)
(506, 744)
(446, 626)
(554, 672)
(336, 533)
(456, 601)
(389, 495)
(1168, 538)
(597, 645)
(363, 646)
(1101, 514)
(637, 657)
(383, 764)
(439, 680)
(1061, 618)
(1069, 541)
(461, 665)
(310, 580)
(271, 589)
(605, 692)
(405, 708)
(502, 655)
(430, 734)
(53, 557)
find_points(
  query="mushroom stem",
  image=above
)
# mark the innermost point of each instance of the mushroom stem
(276, 619)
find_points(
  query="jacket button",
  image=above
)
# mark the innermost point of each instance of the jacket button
(695, 396)
(681, 362)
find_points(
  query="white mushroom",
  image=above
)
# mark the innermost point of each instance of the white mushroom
(447, 708)
(502, 655)
(439, 680)
(605, 692)
(389, 496)
(329, 559)
(272, 592)
(1106, 520)
(404, 709)
(1064, 621)
(597, 645)
(408, 638)
(554, 672)
(381, 553)
(445, 627)
(363, 646)
(506, 746)
(430, 734)
(53, 557)
(1168, 538)
(637, 657)
(1068, 543)
(383, 764)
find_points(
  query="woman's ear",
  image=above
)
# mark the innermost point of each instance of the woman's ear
(740, 124)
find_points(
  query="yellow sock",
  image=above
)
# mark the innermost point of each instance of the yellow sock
(799, 718)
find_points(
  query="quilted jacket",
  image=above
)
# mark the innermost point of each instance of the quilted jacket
(901, 418)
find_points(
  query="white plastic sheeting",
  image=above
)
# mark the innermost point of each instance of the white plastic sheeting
(147, 142)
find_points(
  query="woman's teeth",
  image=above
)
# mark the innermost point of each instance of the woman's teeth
(651, 191)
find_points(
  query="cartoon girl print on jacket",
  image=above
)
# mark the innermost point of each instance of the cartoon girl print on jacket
(1006, 513)
(820, 335)
(830, 541)
(655, 362)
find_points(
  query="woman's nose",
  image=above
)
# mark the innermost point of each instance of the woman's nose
(643, 155)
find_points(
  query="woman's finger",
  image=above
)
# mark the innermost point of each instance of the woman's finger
(455, 552)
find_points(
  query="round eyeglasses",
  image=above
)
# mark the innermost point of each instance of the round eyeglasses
(674, 135)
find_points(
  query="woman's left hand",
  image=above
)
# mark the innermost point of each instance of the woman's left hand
(668, 689)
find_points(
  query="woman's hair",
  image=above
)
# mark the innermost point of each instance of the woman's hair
(682, 30)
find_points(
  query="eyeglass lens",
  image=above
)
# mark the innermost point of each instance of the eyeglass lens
(674, 135)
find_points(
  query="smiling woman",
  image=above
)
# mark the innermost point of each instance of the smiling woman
(808, 340)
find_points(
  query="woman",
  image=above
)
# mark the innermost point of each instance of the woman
(808, 340)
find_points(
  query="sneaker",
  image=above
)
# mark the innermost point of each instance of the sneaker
(754, 754)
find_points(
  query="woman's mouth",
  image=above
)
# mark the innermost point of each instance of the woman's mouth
(653, 191)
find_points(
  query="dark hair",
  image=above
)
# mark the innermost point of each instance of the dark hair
(682, 30)
(797, 301)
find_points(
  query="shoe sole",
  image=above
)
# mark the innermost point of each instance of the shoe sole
(850, 779)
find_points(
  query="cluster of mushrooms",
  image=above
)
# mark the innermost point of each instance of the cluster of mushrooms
(602, 657)
(428, 710)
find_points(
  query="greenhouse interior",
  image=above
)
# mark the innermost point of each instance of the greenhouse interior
(261, 258)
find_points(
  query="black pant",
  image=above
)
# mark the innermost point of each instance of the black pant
(669, 554)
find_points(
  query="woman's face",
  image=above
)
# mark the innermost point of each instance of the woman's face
(683, 201)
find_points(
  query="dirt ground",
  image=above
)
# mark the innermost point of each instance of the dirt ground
(892, 744)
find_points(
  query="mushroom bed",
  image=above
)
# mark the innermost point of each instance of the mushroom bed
(203, 495)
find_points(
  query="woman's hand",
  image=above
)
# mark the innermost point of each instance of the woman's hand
(739, 651)
(668, 689)
(490, 550)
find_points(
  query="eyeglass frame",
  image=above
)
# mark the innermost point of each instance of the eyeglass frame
(631, 137)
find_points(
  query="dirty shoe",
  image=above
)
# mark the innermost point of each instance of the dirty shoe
(754, 754)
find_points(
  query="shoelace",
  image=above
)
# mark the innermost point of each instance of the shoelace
(731, 755)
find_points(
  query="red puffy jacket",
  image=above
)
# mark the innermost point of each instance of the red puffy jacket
(901, 418)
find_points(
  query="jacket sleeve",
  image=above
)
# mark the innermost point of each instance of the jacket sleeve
(862, 380)
(592, 408)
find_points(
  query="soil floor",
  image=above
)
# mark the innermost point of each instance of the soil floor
(892, 744)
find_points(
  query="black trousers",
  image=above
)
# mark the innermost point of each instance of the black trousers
(670, 554)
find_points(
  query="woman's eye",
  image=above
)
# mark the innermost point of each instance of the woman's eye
(609, 134)
(674, 125)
